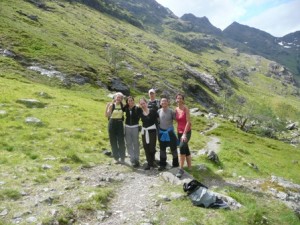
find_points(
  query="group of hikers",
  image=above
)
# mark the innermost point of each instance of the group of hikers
(157, 124)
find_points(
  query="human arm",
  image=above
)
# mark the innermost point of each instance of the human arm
(187, 127)
(108, 109)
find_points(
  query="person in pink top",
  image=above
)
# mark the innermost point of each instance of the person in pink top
(184, 132)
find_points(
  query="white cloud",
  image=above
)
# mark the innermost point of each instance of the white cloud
(277, 21)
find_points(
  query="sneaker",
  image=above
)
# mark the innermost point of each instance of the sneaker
(161, 168)
(136, 164)
(180, 173)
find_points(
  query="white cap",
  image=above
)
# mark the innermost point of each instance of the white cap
(151, 91)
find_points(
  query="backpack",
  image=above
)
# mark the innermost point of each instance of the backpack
(122, 107)
(202, 197)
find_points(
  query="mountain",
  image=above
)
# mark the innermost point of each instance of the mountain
(254, 39)
(61, 62)
(201, 25)
(247, 39)
(283, 50)
(128, 46)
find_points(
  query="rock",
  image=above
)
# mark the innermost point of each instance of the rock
(46, 167)
(213, 157)
(175, 196)
(117, 85)
(3, 113)
(222, 62)
(201, 167)
(66, 168)
(8, 53)
(106, 152)
(232, 203)
(31, 103)
(43, 95)
(204, 78)
(170, 176)
(31, 219)
(78, 79)
(252, 165)
(4, 212)
(48, 72)
(33, 121)
(196, 112)
(164, 197)
(291, 126)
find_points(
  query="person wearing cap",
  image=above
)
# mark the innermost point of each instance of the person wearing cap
(153, 102)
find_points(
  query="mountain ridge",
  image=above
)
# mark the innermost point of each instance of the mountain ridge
(261, 42)
(116, 59)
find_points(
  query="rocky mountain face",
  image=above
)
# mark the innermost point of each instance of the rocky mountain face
(283, 50)
(201, 25)
(252, 38)
(120, 49)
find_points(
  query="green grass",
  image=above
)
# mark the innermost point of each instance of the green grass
(74, 132)
(238, 149)
(99, 200)
(75, 39)
(256, 208)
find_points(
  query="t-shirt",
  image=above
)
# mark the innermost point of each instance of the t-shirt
(155, 105)
(166, 118)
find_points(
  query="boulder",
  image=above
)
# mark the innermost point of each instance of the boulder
(31, 103)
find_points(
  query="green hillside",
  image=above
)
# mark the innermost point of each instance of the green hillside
(82, 44)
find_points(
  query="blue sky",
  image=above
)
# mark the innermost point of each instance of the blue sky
(277, 17)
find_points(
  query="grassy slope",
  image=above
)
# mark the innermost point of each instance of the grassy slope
(74, 130)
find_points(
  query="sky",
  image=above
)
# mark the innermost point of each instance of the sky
(276, 17)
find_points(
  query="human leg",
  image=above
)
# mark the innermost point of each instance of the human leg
(121, 141)
(173, 146)
(128, 141)
(189, 161)
(182, 159)
(135, 145)
(147, 152)
(152, 147)
(113, 139)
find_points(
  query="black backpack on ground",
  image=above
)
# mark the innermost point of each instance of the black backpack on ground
(202, 197)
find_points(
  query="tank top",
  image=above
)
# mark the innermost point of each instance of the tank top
(181, 121)
(117, 112)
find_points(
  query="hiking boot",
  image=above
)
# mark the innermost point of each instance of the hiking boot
(175, 162)
(136, 164)
(147, 167)
(180, 173)
(161, 168)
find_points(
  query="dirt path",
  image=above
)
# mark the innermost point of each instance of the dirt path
(213, 144)
(135, 200)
